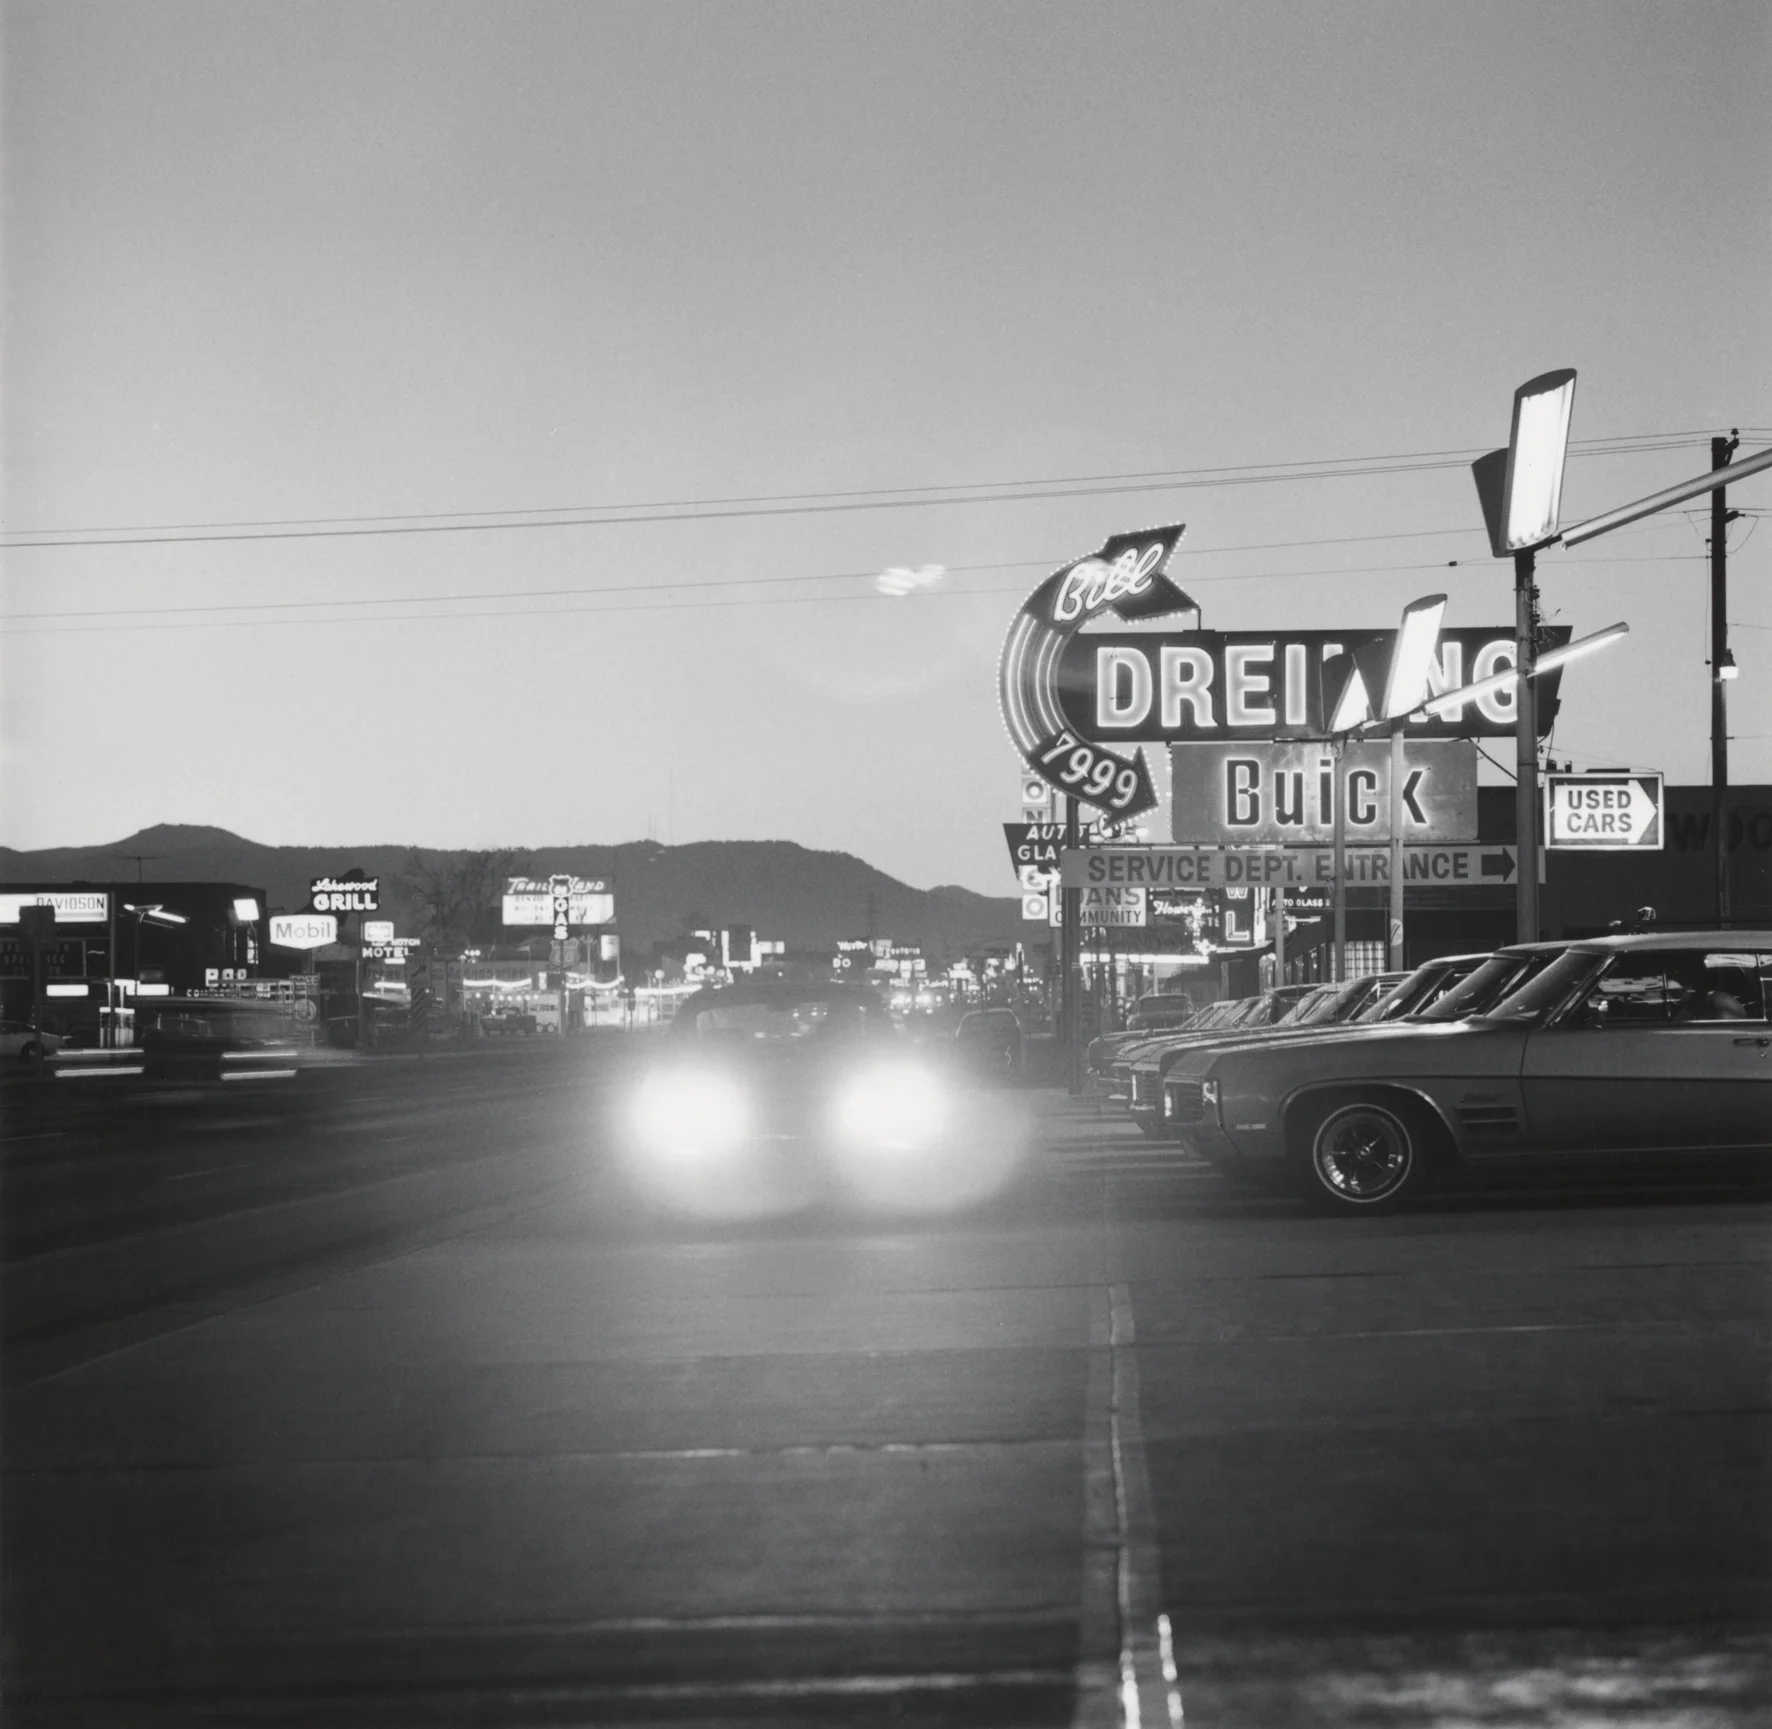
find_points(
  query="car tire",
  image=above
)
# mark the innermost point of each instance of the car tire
(29, 1053)
(1365, 1154)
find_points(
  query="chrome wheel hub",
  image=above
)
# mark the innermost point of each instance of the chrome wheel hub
(1362, 1154)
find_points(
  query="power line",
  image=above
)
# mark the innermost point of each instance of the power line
(720, 509)
(662, 606)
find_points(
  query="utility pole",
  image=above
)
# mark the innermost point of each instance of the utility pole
(1526, 746)
(1721, 449)
(1338, 958)
(1394, 948)
(1070, 923)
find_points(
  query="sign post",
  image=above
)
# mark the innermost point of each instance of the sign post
(1395, 949)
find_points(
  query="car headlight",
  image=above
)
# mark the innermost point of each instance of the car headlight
(894, 1108)
(1209, 1099)
(690, 1112)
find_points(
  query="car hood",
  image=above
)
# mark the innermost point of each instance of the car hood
(1390, 1043)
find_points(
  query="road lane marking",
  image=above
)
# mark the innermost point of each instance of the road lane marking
(1135, 1686)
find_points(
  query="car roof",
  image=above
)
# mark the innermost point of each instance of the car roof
(1716, 940)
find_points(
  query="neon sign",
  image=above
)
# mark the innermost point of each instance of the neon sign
(1166, 688)
(1124, 576)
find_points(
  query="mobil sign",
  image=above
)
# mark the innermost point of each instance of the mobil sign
(303, 930)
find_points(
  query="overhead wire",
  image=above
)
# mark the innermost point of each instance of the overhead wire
(789, 504)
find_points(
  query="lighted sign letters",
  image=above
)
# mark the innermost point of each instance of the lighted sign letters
(345, 894)
(303, 930)
(1163, 688)
(1125, 576)
(1603, 812)
(71, 908)
(1279, 794)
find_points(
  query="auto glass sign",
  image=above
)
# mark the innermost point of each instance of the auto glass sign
(1123, 576)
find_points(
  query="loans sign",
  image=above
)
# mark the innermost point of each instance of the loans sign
(1268, 794)
(1603, 812)
(1117, 687)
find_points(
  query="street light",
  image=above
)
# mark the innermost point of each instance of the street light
(1521, 490)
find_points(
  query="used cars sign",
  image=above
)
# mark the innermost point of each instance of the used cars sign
(1603, 812)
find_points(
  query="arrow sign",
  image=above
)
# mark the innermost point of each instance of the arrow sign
(1603, 812)
(1123, 576)
(1501, 864)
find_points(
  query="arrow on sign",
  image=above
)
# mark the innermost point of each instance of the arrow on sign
(1499, 864)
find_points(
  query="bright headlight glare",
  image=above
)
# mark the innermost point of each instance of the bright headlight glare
(895, 1108)
(691, 1112)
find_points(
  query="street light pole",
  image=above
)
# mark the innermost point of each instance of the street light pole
(1395, 947)
(1526, 746)
(1721, 449)
(1338, 967)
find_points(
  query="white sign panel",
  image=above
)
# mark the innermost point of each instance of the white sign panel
(1184, 867)
(378, 930)
(557, 901)
(303, 930)
(71, 908)
(1603, 812)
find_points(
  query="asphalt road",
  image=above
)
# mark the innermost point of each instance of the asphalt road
(402, 1411)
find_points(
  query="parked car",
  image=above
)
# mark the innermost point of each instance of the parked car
(1321, 1006)
(21, 1039)
(1649, 1045)
(506, 1022)
(1116, 1074)
(1160, 1012)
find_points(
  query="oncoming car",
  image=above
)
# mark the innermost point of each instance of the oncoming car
(769, 1097)
(21, 1039)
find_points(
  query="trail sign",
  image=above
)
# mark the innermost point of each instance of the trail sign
(1603, 812)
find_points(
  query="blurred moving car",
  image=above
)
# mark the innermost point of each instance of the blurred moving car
(195, 1042)
(1634, 1046)
(506, 1022)
(769, 1096)
(21, 1039)
(990, 1041)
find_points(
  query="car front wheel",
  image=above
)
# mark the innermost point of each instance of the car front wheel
(1361, 1156)
(29, 1053)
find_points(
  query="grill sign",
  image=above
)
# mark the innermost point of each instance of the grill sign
(345, 894)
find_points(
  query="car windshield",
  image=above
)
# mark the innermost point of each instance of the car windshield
(1421, 992)
(1491, 981)
(1317, 1006)
(1548, 989)
(783, 1020)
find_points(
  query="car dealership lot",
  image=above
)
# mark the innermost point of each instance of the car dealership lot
(417, 1418)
